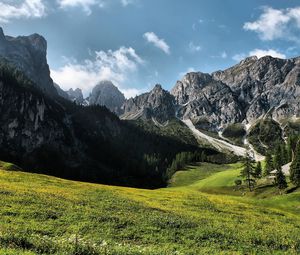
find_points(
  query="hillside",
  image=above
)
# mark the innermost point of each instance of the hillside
(88, 143)
(47, 215)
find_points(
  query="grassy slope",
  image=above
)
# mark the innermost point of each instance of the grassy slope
(219, 179)
(196, 173)
(42, 214)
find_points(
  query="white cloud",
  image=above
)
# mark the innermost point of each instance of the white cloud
(132, 92)
(111, 65)
(86, 5)
(25, 9)
(223, 55)
(189, 70)
(194, 48)
(239, 57)
(276, 23)
(128, 2)
(157, 42)
(259, 53)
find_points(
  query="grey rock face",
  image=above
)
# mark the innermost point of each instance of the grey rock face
(76, 96)
(28, 53)
(158, 104)
(107, 94)
(265, 85)
(242, 93)
(192, 83)
(72, 95)
(200, 96)
(61, 92)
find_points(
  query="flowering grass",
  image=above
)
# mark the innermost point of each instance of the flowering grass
(46, 215)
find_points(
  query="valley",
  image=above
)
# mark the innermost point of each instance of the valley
(199, 213)
(97, 157)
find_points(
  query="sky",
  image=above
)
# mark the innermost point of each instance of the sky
(139, 43)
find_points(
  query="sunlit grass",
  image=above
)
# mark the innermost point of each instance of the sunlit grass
(47, 215)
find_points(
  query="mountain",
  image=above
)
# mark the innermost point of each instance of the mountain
(76, 96)
(158, 104)
(210, 102)
(72, 95)
(251, 102)
(55, 136)
(29, 54)
(61, 92)
(49, 134)
(106, 93)
(241, 94)
(265, 85)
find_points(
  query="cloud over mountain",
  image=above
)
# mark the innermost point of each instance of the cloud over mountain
(116, 66)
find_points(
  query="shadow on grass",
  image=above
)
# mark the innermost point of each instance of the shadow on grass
(290, 190)
(191, 166)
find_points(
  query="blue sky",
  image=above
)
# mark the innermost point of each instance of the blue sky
(138, 43)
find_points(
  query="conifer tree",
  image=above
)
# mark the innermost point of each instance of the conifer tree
(284, 154)
(280, 180)
(248, 171)
(203, 156)
(291, 146)
(295, 167)
(289, 149)
(258, 170)
(277, 160)
(269, 164)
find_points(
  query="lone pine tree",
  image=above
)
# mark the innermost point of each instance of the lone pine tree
(248, 172)
(280, 179)
(295, 167)
(269, 164)
(258, 170)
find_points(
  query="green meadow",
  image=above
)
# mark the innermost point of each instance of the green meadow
(201, 212)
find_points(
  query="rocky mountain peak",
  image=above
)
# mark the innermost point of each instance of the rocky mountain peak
(76, 92)
(38, 42)
(158, 104)
(76, 95)
(248, 60)
(106, 93)
(28, 54)
(186, 89)
(157, 94)
(157, 88)
(196, 78)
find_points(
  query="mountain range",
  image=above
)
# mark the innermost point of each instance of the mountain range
(240, 94)
(132, 140)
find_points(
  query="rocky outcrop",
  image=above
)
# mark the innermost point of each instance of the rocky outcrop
(54, 136)
(243, 93)
(158, 104)
(76, 96)
(107, 94)
(28, 54)
(208, 103)
(191, 84)
(61, 92)
(265, 85)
